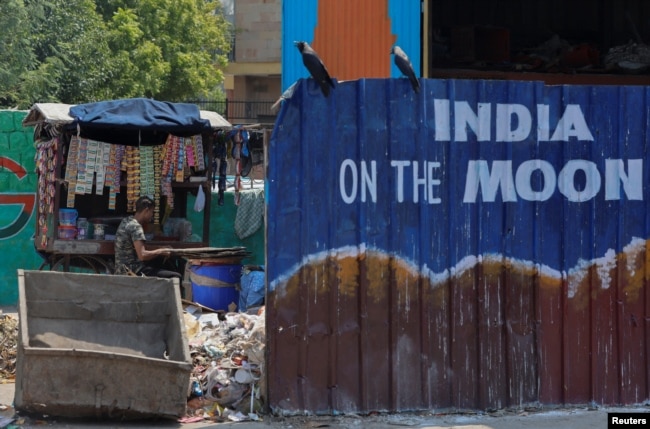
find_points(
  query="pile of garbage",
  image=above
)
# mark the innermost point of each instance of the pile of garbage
(228, 359)
(8, 346)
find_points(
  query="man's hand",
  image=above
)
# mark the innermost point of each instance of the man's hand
(164, 251)
(147, 255)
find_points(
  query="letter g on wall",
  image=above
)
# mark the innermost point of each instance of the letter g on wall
(25, 200)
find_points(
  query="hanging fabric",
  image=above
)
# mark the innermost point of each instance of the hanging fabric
(236, 154)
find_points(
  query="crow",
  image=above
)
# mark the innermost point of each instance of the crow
(404, 65)
(315, 66)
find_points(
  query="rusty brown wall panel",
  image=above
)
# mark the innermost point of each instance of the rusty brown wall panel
(550, 326)
(645, 298)
(632, 336)
(577, 343)
(521, 348)
(375, 282)
(437, 342)
(464, 341)
(605, 341)
(493, 343)
(346, 347)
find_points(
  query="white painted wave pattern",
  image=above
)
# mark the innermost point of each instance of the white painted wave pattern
(603, 265)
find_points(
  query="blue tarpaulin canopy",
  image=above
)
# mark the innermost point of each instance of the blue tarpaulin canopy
(135, 121)
(115, 121)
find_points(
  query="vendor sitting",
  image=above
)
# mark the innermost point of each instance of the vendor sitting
(131, 256)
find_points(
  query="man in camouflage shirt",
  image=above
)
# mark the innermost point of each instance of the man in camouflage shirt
(130, 252)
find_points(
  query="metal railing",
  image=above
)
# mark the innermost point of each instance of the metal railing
(236, 112)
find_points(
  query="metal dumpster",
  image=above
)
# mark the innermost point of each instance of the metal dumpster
(101, 346)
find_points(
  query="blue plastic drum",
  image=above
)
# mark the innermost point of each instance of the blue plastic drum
(215, 286)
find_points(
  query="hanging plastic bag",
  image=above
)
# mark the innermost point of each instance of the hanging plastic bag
(199, 203)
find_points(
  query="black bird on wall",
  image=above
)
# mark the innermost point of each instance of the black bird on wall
(315, 66)
(404, 65)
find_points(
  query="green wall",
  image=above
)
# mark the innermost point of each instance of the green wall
(17, 203)
(18, 184)
(222, 228)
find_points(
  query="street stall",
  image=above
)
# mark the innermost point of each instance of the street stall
(94, 160)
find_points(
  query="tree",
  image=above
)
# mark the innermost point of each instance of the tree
(15, 52)
(167, 49)
(76, 51)
(68, 38)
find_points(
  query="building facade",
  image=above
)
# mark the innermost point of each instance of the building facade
(253, 75)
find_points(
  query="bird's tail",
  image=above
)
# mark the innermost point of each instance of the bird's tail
(324, 87)
(415, 83)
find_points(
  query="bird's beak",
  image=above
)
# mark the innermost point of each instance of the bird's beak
(296, 42)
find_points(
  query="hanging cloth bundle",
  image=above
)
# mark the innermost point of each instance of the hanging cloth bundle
(236, 154)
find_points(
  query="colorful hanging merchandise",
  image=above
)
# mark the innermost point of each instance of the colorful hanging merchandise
(131, 166)
(101, 166)
(113, 173)
(168, 172)
(72, 170)
(157, 175)
(147, 183)
(80, 162)
(197, 142)
(92, 147)
(45, 161)
(180, 160)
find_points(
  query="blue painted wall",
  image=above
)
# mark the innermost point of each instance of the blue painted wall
(481, 244)
(467, 168)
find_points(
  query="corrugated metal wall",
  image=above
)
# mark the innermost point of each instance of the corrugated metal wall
(353, 38)
(479, 245)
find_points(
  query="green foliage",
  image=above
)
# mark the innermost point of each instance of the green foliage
(180, 46)
(76, 51)
(15, 52)
(70, 35)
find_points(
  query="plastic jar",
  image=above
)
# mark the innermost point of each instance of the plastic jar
(98, 231)
(82, 228)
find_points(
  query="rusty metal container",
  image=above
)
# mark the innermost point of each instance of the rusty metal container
(101, 346)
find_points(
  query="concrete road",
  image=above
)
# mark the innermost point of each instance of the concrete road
(573, 418)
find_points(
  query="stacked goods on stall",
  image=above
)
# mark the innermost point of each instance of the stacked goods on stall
(91, 167)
